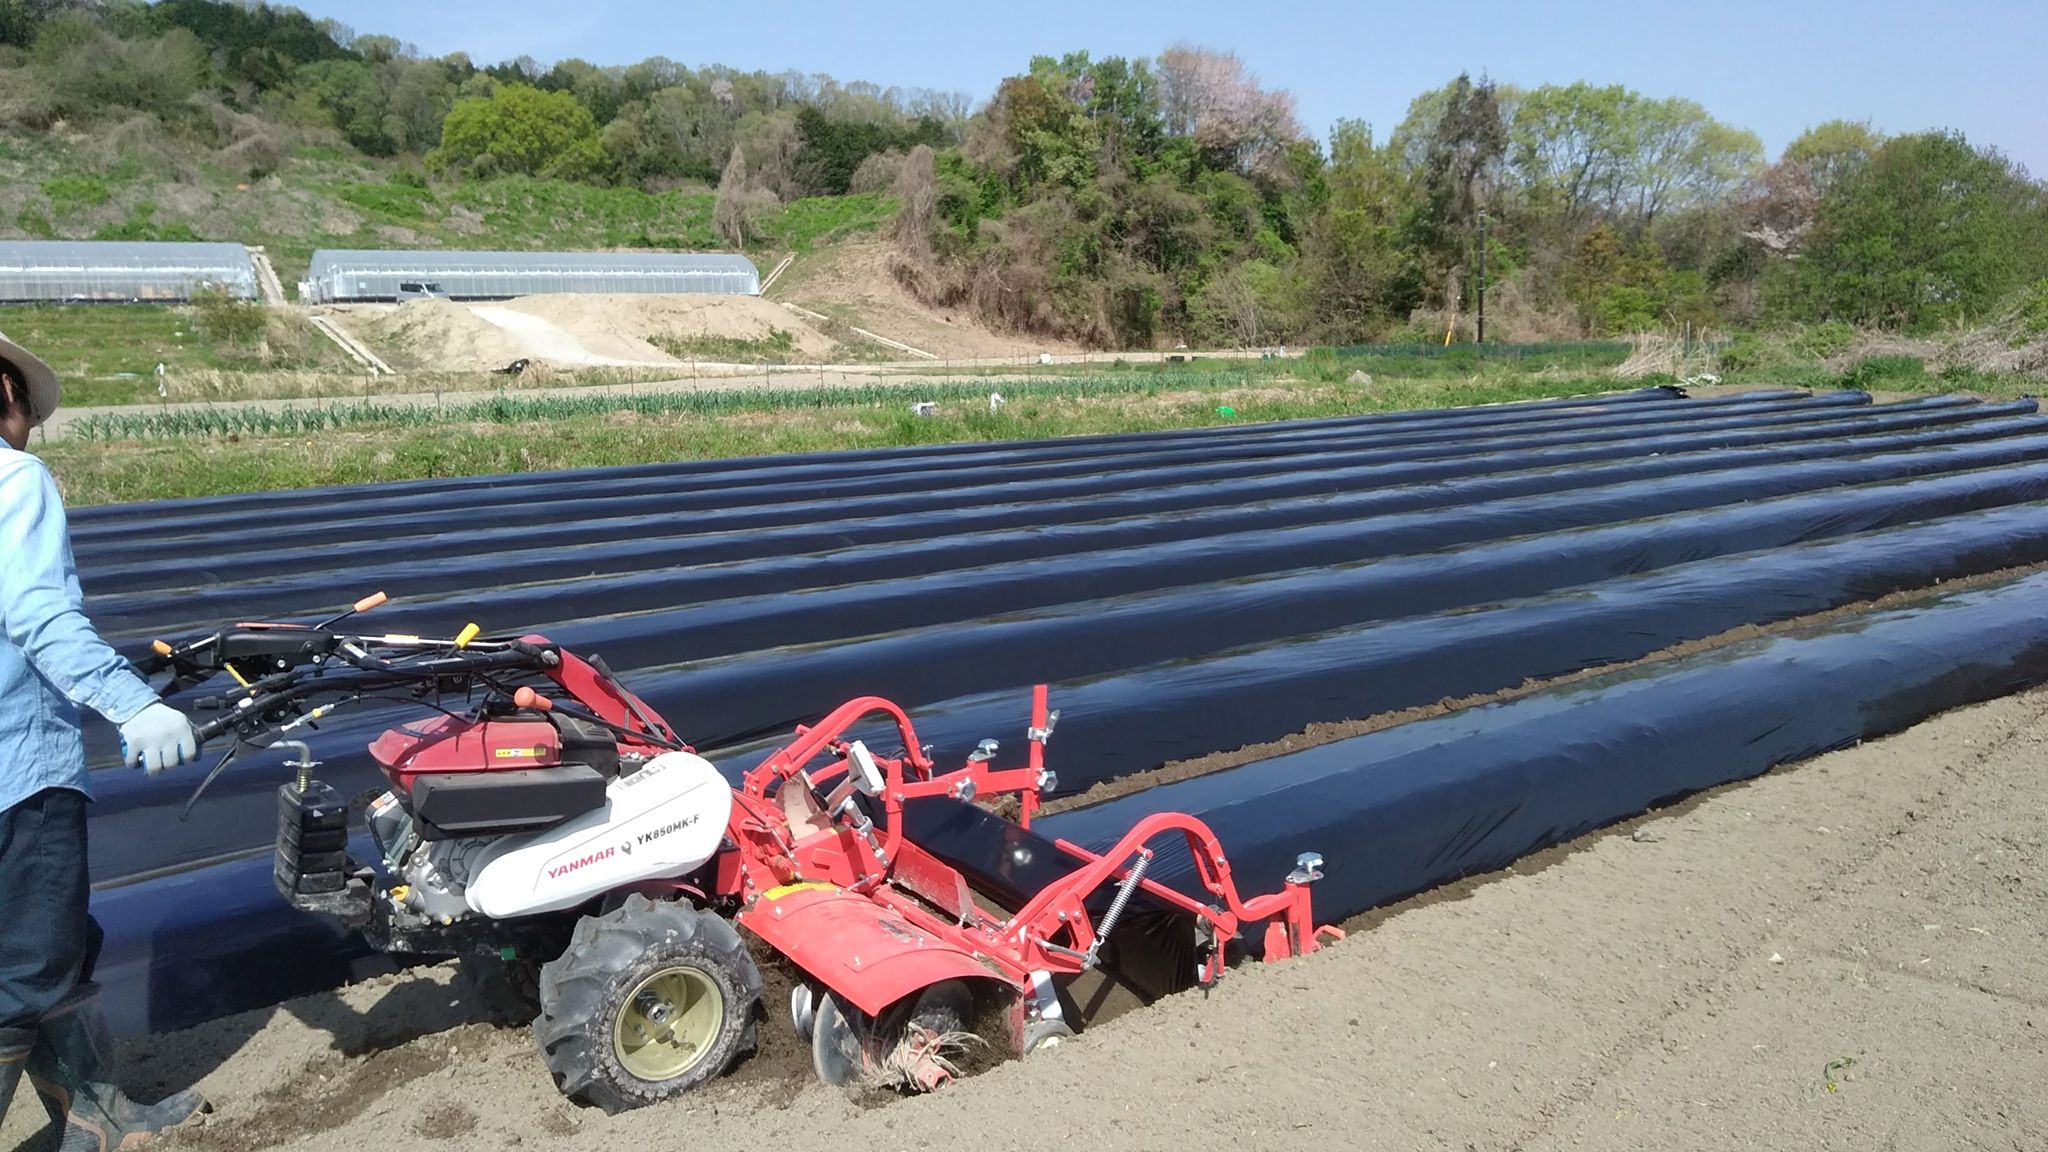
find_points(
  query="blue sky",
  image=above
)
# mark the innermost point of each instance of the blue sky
(1773, 67)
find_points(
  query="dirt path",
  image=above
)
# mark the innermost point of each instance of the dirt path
(1846, 954)
(541, 340)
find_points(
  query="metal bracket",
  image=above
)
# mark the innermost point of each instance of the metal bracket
(1042, 999)
(862, 827)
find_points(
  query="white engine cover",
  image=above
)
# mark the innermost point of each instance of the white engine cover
(660, 822)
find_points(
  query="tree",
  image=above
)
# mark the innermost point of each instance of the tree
(1251, 304)
(89, 71)
(833, 148)
(1680, 157)
(259, 44)
(1213, 99)
(1587, 152)
(1121, 98)
(917, 202)
(739, 204)
(1047, 136)
(518, 128)
(1360, 268)
(1571, 145)
(422, 93)
(1826, 154)
(19, 20)
(1781, 208)
(774, 149)
(1930, 231)
(348, 94)
(1458, 156)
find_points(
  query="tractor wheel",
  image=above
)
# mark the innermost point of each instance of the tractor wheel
(649, 1001)
(1045, 1035)
(847, 1046)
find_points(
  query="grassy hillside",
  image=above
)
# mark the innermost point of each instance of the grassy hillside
(55, 185)
(1113, 202)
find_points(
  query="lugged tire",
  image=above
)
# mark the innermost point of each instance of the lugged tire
(583, 991)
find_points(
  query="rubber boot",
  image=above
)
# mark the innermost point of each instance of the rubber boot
(68, 1066)
(15, 1045)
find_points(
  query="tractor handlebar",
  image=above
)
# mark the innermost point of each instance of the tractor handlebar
(280, 668)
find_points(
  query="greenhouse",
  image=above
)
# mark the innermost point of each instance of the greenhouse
(121, 272)
(337, 276)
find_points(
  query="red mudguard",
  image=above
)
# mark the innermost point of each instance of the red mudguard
(859, 949)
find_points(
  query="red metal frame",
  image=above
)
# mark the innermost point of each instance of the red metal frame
(602, 695)
(920, 916)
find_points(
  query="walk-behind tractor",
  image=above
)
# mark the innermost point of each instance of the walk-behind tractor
(545, 818)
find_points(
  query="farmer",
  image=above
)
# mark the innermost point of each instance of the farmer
(51, 662)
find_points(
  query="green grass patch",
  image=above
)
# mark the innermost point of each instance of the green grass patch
(401, 202)
(520, 212)
(107, 340)
(1886, 374)
(70, 195)
(2030, 317)
(361, 443)
(142, 224)
(1436, 361)
(776, 348)
(108, 353)
(803, 224)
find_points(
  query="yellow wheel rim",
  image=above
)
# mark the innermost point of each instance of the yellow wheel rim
(669, 1023)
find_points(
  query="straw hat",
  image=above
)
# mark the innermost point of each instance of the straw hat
(29, 370)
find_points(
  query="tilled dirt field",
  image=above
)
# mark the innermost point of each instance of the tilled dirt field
(1845, 954)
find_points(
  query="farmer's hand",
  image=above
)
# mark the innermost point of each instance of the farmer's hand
(158, 737)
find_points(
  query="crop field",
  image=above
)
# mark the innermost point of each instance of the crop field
(1425, 644)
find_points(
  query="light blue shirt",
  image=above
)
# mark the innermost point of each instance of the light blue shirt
(51, 660)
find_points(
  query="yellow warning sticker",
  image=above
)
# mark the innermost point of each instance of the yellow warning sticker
(514, 753)
(789, 889)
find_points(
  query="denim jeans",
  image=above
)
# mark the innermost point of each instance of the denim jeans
(48, 940)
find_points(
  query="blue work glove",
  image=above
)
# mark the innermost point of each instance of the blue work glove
(158, 737)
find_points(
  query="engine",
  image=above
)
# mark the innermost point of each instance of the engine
(465, 777)
(432, 874)
(662, 822)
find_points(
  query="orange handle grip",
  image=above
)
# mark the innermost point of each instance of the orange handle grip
(370, 601)
(160, 647)
(528, 698)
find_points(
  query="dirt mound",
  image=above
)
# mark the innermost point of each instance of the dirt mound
(570, 330)
(850, 282)
(628, 323)
(430, 334)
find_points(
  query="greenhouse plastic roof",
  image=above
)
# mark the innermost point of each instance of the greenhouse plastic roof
(436, 260)
(336, 275)
(121, 270)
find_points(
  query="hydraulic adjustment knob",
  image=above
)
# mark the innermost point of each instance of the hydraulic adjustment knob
(1308, 868)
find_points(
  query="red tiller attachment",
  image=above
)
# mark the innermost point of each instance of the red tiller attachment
(876, 918)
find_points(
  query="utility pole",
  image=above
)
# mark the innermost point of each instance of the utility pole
(1482, 278)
